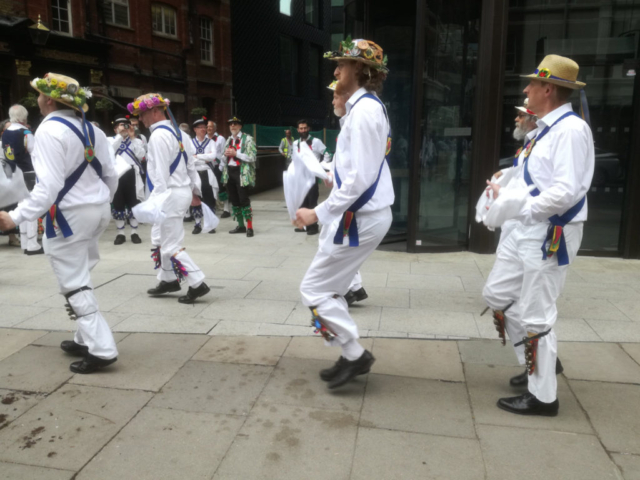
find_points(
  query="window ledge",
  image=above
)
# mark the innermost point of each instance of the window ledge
(207, 64)
(119, 26)
(165, 36)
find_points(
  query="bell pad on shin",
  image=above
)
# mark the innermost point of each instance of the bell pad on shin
(498, 321)
(320, 327)
(531, 350)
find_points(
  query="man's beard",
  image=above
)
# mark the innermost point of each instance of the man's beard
(519, 133)
(304, 135)
(339, 112)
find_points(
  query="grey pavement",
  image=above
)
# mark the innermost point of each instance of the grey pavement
(228, 388)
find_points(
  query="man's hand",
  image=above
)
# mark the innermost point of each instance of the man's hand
(230, 152)
(493, 188)
(6, 222)
(304, 217)
(498, 174)
(329, 181)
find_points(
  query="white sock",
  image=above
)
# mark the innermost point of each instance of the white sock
(352, 350)
(226, 206)
(133, 223)
(120, 226)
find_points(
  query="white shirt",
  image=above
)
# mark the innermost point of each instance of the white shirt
(561, 166)
(239, 155)
(163, 148)
(135, 146)
(57, 153)
(360, 149)
(202, 160)
(220, 143)
(317, 147)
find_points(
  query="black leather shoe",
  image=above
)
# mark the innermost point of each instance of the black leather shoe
(196, 230)
(299, 230)
(350, 370)
(522, 380)
(527, 404)
(194, 293)
(40, 251)
(188, 219)
(225, 214)
(165, 287)
(120, 239)
(329, 374)
(135, 238)
(249, 232)
(90, 364)
(313, 230)
(239, 230)
(357, 296)
(212, 231)
(74, 348)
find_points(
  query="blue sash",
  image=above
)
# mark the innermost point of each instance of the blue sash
(348, 224)
(176, 161)
(124, 148)
(555, 233)
(200, 147)
(54, 213)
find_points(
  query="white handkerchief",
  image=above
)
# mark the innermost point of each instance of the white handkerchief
(150, 211)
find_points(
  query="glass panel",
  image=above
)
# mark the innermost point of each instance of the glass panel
(451, 33)
(60, 15)
(315, 56)
(206, 50)
(289, 75)
(285, 7)
(156, 18)
(311, 13)
(121, 15)
(601, 37)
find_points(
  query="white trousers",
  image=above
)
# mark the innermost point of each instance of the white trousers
(72, 259)
(532, 285)
(29, 236)
(334, 267)
(356, 283)
(169, 236)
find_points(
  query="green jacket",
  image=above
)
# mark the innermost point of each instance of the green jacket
(247, 168)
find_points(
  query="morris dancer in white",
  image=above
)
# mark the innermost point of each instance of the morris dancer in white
(219, 140)
(205, 161)
(170, 168)
(76, 181)
(532, 262)
(357, 214)
(130, 187)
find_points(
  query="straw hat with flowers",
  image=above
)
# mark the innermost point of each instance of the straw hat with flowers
(360, 50)
(147, 102)
(561, 71)
(64, 90)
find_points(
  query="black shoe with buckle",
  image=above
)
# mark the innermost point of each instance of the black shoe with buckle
(313, 229)
(135, 239)
(225, 214)
(299, 230)
(238, 229)
(165, 287)
(120, 239)
(329, 374)
(212, 231)
(196, 230)
(528, 404)
(359, 295)
(351, 369)
(90, 364)
(74, 348)
(40, 251)
(188, 219)
(522, 380)
(249, 232)
(194, 293)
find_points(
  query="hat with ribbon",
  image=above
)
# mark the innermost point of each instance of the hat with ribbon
(561, 71)
(64, 90)
(200, 121)
(525, 108)
(360, 50)
(147, 102)
(235, 120)
(120, 118)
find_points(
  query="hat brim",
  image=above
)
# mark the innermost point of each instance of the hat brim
(371, 63)
(524, 110)
(234, 121)
(85, 107)
(560, 83)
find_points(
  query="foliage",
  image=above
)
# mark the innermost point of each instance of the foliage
(104, 104)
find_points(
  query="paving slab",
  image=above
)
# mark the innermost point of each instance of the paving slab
(606, 362)
(289, 442)
(314, 348)
(447, 302)
(597, 290)
(589, 308)
(248, 350)
(249, 310)
(23, 296)
(276, 329)
(54, 339)
(14, 314)
(231, 261)
(419, 320)
(367, 317)
(629, 465)
(295, 381)
(17, 372)
(281, 275)
(401, 455)
(488, 383)
(387, 297)
(276, 290)
(628, 305)
(610, 331)
(568, 456)
(58, 319)
(417, 405)
(633, 350)
(385, 266)
(69, 427)
(13, 340)
(567, 329)
(164, 305)
(613, 410)
(233, 328)
(165, 444)
(434, 283)
(164, 324)
(15, 403)
(487, 352)
(13, 471)
(437, 360)
(466, 269)
(146, 361)
(213, 388)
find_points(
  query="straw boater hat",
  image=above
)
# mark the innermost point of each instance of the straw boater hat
(64, 90)
(235, 120)
(364, 51)
(147, 102)
(525, 108)
(200, 121)
(561, 71)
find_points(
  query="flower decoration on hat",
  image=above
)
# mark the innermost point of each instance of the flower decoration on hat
(147, 102)
(63, 89)
(544, 73)
(365, 51)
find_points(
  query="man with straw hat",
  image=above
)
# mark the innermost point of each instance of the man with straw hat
(170, 171)
(76, 181)
(357, 214)
(550, 185)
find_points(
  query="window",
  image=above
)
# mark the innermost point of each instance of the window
(206, 41)
(61, 16)
(312, 12)
(285, 7)
(164, 20)
(315, 57)
(116, 12)
(289, 65)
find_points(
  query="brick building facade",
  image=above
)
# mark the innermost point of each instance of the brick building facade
(180, 48)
